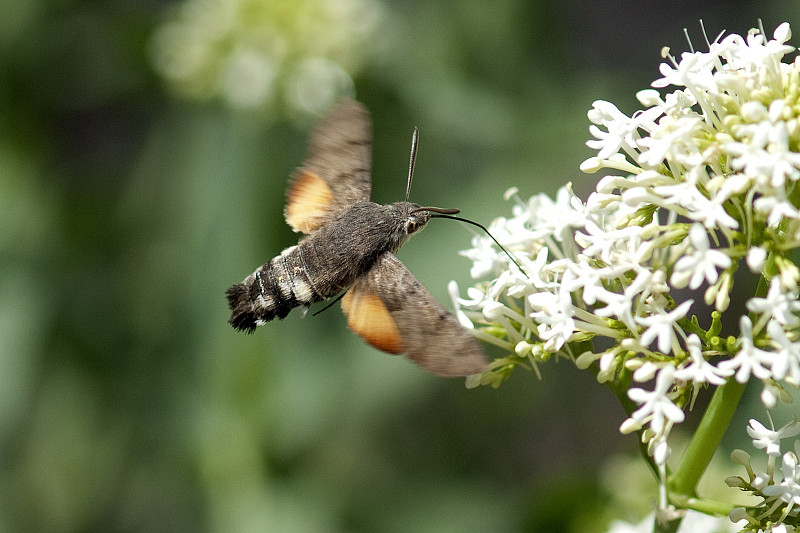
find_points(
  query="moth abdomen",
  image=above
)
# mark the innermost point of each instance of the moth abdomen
(254, 303)
(243, 317)
(271, 291)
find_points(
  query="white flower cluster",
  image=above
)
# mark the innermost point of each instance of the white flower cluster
(709, 178)
(780, 490)
(255, 54)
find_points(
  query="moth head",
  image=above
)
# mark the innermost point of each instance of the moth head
(416, 220)
(418, 217)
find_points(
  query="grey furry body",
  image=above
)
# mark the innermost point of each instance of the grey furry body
(325, 263)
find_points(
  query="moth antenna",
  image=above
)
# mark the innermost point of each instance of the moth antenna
(412, 162)
(445, 213)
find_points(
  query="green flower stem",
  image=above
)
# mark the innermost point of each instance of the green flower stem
(707, 438)
(715, 420)
(702, 505)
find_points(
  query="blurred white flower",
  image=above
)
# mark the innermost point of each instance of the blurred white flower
(692, 522)
(260, 54)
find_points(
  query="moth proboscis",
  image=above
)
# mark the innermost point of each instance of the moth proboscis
(349, 246)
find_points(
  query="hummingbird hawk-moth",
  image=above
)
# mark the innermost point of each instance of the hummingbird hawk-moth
(349, 246)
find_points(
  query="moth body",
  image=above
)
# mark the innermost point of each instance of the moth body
(324, 264)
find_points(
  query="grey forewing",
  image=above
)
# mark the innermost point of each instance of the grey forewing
(432, 336)
(340, 153)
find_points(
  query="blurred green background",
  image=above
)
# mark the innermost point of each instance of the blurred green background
(144, 151)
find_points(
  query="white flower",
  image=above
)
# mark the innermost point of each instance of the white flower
(656, 405)
(620, 132)
(699, 370)
(770, 439)
(755, 259)
(779, 304)
(711, 212)
(461, 316)
(602, 243)
(764, 152)
(486, 257)
(661, 325)
(776, 208)
(673, 138)
(770, 394)
(749, 359)
(701, 264)
(694, 71)
(554, 312)
(558, 218)
(788, 489)
(786, 356)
